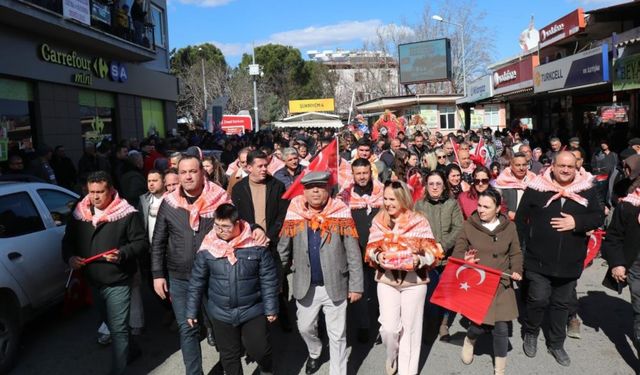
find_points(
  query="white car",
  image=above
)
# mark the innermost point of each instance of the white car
(32, 273)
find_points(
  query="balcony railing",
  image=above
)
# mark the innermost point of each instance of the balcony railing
(107, 17)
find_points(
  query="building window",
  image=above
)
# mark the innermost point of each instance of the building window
(447, 117)
(153, 117)
(16, 116)
(357, 77)
(97, 112)
(157, 19)
(492, 115)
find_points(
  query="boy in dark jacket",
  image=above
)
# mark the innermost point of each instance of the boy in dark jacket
(241, 282)
(103, 222)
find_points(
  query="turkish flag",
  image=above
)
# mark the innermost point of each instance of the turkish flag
(327, 160)
(593, 246)
(467, 288)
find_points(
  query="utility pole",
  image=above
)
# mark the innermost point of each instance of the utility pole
(254, 71)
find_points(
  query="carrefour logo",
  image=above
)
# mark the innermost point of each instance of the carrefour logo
(100, 67)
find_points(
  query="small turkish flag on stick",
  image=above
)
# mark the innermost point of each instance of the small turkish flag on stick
(99, 256)
(467, 288)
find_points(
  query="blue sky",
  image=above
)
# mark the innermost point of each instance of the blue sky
(233, 25)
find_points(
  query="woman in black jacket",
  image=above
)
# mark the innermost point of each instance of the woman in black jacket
(241, 282)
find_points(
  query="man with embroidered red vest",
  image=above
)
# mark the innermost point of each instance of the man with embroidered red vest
(320, 238)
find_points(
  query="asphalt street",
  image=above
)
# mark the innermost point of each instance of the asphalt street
(59, 344)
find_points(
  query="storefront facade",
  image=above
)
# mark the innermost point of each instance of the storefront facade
(57, 90)
(482, 112)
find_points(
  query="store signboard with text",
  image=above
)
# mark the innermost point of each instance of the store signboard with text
(582, 69)
(236, 124)
(78, 10)
(481, 88)
(515, 76)
(562, 28)
(311, 105)
(626, 73)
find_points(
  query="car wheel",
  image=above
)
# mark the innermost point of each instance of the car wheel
(9, 335)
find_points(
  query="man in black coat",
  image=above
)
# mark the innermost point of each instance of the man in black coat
(103, 222)
(364, 198)
(258, 198)
(554, 215)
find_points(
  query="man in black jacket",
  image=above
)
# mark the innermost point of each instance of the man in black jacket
(184, 219)
(103, 222)
(364, 198)
(258, 198)
(555, 212)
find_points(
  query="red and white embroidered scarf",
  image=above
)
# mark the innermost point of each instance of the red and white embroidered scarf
(506, 180)
(410, 232)
(356, 201)
(220, 248)
(334, 218)
(117, 209)
(634, 199)
(275, 165)
(212, 196)
(469, 169)
(544, 183)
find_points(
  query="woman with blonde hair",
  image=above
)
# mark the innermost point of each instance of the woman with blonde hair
(402, 249)
(429, 161)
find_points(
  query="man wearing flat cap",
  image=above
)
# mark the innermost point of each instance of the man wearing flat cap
(319, 238)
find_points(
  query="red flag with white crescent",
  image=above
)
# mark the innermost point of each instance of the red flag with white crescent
(467, 288)
(327, 160)
(593, 246)
(455, 145)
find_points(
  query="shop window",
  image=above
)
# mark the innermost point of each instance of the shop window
(157, 19)
(492, 115)
(16, 116)
(153, 117)
(447, 117)
(97, 115)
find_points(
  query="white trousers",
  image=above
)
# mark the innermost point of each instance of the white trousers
(401, 313)
(336, 321)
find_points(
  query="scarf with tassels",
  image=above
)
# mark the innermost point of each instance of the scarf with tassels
(212, 196)
(334, 218)
(633, 199)
(220, 248)
(356, 201)
(411, 232)
(117, 209)
(507, 180)
(544, 183)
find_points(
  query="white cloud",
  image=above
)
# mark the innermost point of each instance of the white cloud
(206, 3)
(327, 36)
(233, 49)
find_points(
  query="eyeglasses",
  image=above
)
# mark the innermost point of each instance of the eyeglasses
(223, 228)
(479, 181)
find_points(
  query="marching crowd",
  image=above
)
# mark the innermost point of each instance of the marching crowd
(220, 238)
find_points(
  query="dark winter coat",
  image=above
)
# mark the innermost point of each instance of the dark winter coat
(236, 293)
(620, 247)
(83, 240)
(548, 251)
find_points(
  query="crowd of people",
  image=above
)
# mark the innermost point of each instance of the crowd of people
(220, 244)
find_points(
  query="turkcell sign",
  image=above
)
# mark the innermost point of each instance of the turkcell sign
(582, 69)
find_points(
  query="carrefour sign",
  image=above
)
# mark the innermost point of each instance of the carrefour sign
(585, 68)
(87, 67)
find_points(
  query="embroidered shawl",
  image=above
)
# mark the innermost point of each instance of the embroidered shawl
(544, 183)
(334, 218)
(220, 248)
(507, 180)
(117, 209)
(212, 196)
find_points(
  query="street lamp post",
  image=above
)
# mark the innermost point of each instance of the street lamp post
(254, 71)
(204, 82)
(464, 65)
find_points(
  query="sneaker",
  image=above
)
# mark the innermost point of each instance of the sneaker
(530, 345)
(560, 356)
(104, 339)
(573, 328)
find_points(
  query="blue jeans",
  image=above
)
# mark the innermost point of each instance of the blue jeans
(113, 303)
(189, 337)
